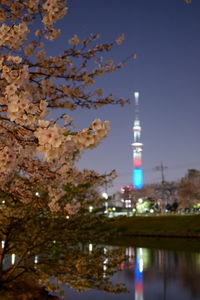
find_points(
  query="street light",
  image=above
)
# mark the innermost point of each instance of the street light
(105, 195)
(90, 208)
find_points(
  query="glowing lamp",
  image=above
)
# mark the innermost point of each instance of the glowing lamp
(105, 195)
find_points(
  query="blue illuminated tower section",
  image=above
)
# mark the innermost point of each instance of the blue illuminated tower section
(137, 147)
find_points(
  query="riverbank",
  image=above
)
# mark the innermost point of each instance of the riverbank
(169, 226)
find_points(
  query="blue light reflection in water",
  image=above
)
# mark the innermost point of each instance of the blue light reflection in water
(139, 274)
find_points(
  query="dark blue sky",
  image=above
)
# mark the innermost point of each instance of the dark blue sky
(165, 34)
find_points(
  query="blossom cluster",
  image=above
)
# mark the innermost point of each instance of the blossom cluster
(54, 143)
(13, 37)
(17, 96)
(88, 139)
(54, 10)
(8, 159)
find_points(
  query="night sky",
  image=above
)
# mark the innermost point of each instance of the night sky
(165, 34)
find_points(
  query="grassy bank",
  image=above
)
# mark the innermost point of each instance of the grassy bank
(158, 226)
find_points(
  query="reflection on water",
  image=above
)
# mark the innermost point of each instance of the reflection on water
(139, 263)
(151, 274)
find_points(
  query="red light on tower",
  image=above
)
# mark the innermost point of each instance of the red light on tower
(137, 162)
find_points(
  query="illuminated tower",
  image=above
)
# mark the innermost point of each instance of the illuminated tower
(137, 147)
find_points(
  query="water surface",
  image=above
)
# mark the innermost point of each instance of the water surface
(152, 274)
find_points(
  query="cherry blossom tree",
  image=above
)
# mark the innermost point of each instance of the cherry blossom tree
(39, 183)
(37, 152)
(189, 189)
